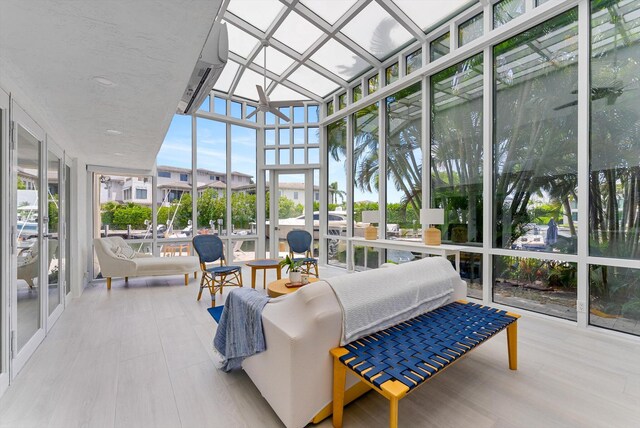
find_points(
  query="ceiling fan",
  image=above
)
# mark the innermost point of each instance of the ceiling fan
(265, 105)
(611, 93)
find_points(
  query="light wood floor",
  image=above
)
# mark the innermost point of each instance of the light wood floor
(140, 356)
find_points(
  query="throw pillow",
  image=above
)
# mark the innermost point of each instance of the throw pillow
(117, 251)
(127, 251)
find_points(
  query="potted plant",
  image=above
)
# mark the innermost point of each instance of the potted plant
(293, 268)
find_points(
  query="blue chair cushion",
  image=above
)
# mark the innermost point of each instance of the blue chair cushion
(306, 260)
(221, 270)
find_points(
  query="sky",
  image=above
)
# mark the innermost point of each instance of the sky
(176, 148)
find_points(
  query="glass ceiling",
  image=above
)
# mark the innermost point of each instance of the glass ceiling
(319, 46)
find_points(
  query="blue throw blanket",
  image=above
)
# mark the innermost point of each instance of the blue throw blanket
(239, 333)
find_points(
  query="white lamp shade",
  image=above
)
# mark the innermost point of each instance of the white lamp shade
(370, 217)
(432, 216)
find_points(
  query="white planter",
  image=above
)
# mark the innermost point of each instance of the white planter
(295, 277)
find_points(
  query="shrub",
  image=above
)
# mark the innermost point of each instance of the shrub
(631, 309)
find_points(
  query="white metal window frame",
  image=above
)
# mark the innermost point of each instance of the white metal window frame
(534, 15)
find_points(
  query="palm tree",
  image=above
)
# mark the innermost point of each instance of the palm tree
(404, 145)
(335, 193)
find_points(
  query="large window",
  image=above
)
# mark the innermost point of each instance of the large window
(614, 205)
(212, 161)
(243, 180)
(174, 194)
(535, 165)
(456, 149)
(404, 163)
(337, 189)
(528, 159)
(121, 216)
(615, 298)
(535, 138)
(365, 164)
(541, 285)
(614, 198)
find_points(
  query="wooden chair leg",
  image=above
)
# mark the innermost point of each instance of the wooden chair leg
(393, 413)
(240, 274)
(512, 343)
(316, 269)
(109, 283)
(186, 279)
(223, 278)
(201, 287)
(195, 275)
(339, 377)
(126, 279)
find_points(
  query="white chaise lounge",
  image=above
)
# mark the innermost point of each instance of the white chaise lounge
(118, 259)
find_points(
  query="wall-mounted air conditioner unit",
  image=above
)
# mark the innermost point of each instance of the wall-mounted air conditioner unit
(212, 60)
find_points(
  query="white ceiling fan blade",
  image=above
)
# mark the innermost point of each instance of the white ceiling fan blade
(253, 113)
(262, 95)
(278, 113)
(286, 103)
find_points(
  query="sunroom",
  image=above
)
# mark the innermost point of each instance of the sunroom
(509, 128)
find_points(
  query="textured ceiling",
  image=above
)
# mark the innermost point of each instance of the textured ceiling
(53, 51)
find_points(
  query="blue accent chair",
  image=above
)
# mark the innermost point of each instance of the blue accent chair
(210, 250)
(300, 243)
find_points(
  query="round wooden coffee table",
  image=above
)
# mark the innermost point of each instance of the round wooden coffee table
(278, 288)
(263, 264)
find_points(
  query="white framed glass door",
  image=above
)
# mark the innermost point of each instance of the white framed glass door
(30, 256)
(291, 203)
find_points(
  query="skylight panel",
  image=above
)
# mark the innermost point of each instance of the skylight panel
(277, 62)
(427, 13)
(339, 60)
(226, 77)
(297, 33)
(330, 11)
(376, 31)
(312, 81)
(282, 93)
(247, 86)
(240, 42)
(259, 13)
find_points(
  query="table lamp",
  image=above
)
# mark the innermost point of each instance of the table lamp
(429, 217)
(370, 232)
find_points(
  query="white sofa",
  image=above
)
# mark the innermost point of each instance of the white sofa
(294, 374)
(117, 259)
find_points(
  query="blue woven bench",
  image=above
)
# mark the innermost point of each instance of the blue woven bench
(395, 361)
